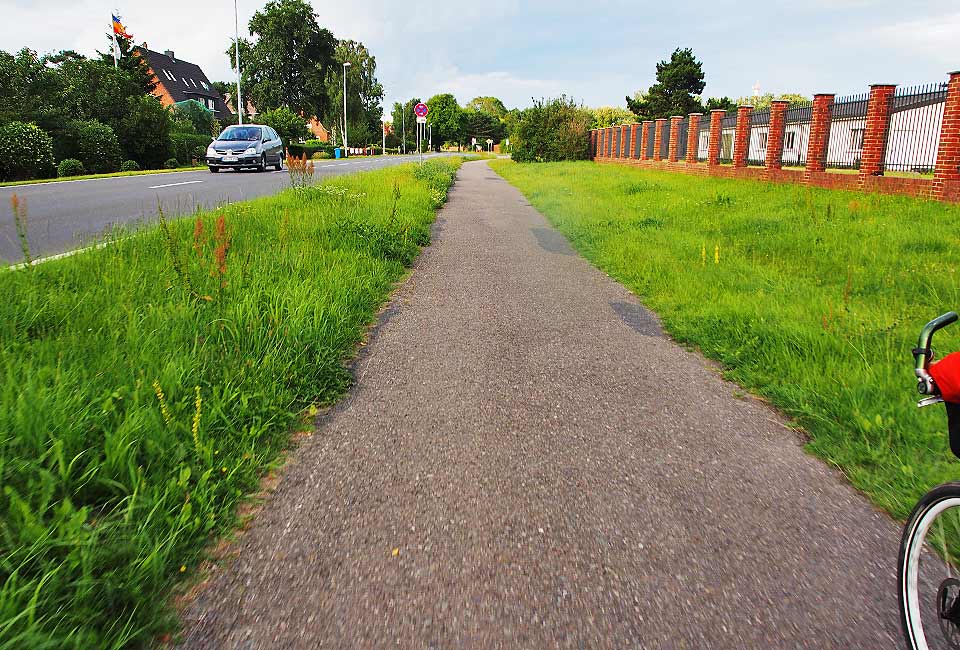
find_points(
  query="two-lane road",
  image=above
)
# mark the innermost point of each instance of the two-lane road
(70, 214)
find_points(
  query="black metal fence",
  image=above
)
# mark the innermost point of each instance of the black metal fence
(703, 142)
(728, 129)
(665, 140)
(638, 144)
(916, 117)
(651, 139)
(683, 131)
(759, 134)
(796, 133)
(848, 122)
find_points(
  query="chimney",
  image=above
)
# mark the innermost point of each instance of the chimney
(170, 54)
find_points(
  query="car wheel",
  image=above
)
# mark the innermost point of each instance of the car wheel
(279, 165)
(262, 167)
(214, 169)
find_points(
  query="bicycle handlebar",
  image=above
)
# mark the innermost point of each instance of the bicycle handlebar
(923, 353)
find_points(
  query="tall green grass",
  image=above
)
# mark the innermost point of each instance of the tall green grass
(145, 387)
(811, 298)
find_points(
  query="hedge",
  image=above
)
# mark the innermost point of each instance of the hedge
(26, 152)
(186, 146)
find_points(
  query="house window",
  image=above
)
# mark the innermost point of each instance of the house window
(205, 86)
(790, 140)
(856, 139)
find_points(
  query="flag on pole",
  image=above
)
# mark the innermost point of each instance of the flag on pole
(119, 29)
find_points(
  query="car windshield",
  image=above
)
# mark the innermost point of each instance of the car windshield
(240, 134)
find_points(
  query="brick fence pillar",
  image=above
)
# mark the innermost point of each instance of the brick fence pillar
(693, 137)
(741, 139)
(716, 128)
(633, 140)
(948, 154)
(644, 139)
(778, 125)
(674, 136)
(875, 133)
(658, 137)
(819, 134)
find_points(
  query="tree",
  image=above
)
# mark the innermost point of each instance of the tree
(679, 84)
(130, 62)
(489, 105)
(553, 130)
(290, 126)
(290, 60)
(763, 102)
(611, 116)
(715, 103)
(224, 87)
(446, 117)
(482, 126)
(197, 116)
(405, 122)
(145, 132)
(364, 92)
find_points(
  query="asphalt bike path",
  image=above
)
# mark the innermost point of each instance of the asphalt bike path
(526, 461)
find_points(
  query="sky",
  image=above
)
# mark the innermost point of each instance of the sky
(595, 52)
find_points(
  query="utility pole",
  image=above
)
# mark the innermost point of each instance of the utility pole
(236, 43)
(346, 64)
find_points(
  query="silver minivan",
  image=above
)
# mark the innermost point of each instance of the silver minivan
(253, 146)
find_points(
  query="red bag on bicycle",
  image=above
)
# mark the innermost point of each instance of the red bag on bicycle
(946, 373)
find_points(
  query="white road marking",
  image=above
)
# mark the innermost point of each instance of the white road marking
(59, 256)
(157, 187)
(90, 180)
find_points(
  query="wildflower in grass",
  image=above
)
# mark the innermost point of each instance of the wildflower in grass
(19, 207)
(703, 255)
(716, 254)
(195, 429)
(164, 411)
(222, 239)
(183, 568)
(198, 237)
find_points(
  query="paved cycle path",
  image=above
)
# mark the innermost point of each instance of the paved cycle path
(554, 473)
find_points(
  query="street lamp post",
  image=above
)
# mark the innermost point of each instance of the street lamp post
(346, 64)
(236, 42)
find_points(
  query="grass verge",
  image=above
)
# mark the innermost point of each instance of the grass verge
(88, 177)
(811, 298)
(146, 386)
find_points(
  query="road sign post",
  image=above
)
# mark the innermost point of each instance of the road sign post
(421, 111)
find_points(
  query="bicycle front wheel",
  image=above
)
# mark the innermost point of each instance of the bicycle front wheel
(927, 570)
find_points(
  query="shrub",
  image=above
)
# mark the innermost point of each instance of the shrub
(290, 126)
(96, 145)
(553, 130)
(185, 146)
(129, 166)
(26, 151)
(321, 155)
(171, 164)
(310, 148)
(145, 132)
(70, 167)
(193, 113)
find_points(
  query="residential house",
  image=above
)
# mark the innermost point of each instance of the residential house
(178, 80)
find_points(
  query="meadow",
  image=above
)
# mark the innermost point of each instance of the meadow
(810, 298)
(147, 386)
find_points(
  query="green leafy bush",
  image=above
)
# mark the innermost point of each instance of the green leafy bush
(129, 166)
(309, 148)
(145, 132)
(199, 118)
(187, 147)
(291, 127)
(321, 155)
(171, 164)
(70, 167)
(551, 131)
(26, 152)
(95, 144)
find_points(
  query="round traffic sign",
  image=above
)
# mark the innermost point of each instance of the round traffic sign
(421, 109)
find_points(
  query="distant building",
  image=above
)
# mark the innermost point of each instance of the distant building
(251, 109)
(178, 80)
(319, 131)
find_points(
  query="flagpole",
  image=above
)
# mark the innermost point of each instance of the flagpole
(116, 45)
